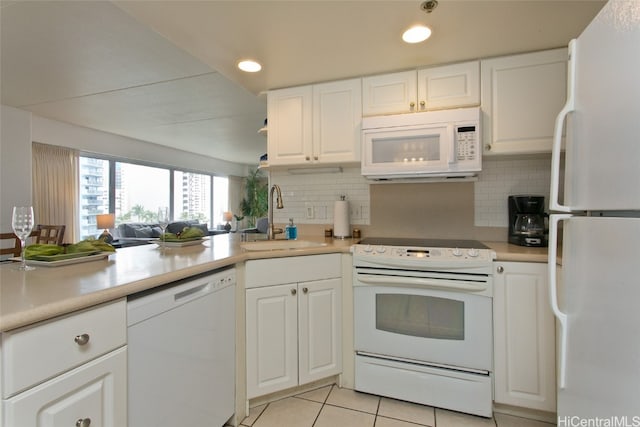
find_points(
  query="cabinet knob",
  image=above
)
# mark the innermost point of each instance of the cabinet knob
(315, 158)
(500, 269)
(294, 291)
(412, 105)
(305, 290)
(422, 104)
(83, 422)
(82, 340)
(488, 147)
(307, 158)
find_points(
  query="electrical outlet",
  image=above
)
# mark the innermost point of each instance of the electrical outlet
(355, 211)
(310, 211)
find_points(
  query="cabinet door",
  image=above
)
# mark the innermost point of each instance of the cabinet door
(524, 337)
(337, 118)
(450, 86)
(389, 93)
(320, 329)
(290, 132)
(95, 392)
(521, 97)
(272, 339)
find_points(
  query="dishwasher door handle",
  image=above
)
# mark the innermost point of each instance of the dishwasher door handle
(192, 293)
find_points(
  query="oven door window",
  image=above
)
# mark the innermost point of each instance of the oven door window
(420, 316)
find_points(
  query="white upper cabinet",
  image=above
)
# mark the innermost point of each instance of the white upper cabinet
(449, 86)
(289, 117)
(389, 93)
(317, 124)
(521, 97)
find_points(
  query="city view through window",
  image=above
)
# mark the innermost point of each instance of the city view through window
(137, 192)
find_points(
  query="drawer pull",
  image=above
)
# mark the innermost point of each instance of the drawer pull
(82, 340)
(83, 422)
(305, 290)
(294, 291)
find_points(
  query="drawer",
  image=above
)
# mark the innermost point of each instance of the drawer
(33, 354)
(296, 269)
(95, 392)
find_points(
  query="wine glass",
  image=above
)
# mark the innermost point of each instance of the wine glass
(22, 222)
(163, 219)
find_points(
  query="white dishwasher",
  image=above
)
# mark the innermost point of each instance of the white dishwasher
(181, 353)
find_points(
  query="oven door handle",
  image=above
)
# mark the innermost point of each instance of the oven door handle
(459, 285)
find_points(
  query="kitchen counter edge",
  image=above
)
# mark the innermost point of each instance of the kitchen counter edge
(234, 255)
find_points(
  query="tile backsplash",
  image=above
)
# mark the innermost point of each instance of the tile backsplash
(309, 198)
(504, 176)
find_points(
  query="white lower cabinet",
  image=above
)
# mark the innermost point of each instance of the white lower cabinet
(67, 371)
(524, 337)
(93, 395)
(294, 330)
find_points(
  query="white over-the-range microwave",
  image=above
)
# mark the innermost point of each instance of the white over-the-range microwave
(432, 144)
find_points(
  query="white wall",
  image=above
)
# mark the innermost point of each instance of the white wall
(62, 134)
(15, 162)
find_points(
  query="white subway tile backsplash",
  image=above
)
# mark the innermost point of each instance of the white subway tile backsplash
(502, 177)
(309, 198)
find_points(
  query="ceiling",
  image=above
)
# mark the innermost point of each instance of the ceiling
(165, 71)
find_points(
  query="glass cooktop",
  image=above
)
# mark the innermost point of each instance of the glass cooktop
(422, 243)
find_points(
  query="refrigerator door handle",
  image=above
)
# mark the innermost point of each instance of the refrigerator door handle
(569, 106)
(553, 295)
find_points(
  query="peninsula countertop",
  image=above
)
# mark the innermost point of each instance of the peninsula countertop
(46, 292)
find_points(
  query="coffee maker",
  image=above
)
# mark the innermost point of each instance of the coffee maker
(527, 221)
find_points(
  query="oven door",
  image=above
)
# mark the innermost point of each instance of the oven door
(431, 326)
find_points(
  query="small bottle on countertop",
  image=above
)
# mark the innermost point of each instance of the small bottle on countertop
(291, 230)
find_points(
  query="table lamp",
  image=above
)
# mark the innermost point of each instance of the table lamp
(106, 221)
(227, 216)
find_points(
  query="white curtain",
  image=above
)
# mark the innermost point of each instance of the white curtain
(55, 187)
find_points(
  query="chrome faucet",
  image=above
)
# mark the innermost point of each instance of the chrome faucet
(271, 231)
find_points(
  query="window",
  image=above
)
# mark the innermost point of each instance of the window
(134, 192)
(94, 194)
(139, 192)
(192, 196)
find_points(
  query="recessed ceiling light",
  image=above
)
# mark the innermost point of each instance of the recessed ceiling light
(249, 66)
(416, 34)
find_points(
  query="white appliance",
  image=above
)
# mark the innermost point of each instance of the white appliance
(423, 327)
(181, 353)
(596, 303)
(430, 144)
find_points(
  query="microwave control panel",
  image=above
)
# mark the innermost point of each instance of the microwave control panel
(467, 142)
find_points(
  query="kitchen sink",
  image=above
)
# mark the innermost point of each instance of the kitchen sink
(272, 245)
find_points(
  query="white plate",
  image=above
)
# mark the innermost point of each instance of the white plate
(88, 258)
(175, 244)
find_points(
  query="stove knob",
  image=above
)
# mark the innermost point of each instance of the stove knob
(457, 252)
(473, 252)
(367, 248)
(381, 249)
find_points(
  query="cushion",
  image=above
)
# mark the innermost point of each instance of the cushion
(143, 232)
(156, 231)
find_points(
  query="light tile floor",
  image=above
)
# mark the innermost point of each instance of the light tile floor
(332, 406)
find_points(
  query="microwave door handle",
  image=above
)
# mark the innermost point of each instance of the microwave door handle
(453, 147)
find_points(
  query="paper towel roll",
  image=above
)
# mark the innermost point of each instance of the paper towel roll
(341, 219)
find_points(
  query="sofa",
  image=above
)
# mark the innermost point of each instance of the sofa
(139, 230)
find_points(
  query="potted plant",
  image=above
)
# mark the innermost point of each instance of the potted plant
(255, 204)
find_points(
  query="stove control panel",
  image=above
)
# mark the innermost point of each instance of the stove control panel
(417, 253)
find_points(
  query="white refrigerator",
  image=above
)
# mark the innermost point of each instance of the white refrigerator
(597, 299)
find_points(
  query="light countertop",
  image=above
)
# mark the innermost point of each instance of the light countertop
(46, 292)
